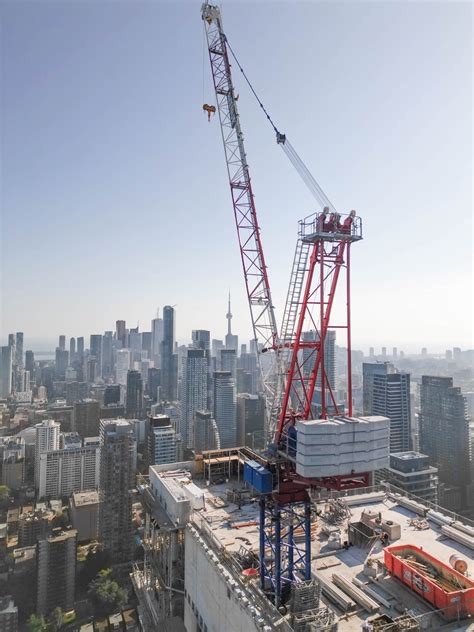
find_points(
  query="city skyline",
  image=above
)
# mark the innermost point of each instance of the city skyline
(202, 427)
(139, 133)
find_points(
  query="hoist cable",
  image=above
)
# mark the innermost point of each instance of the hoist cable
(289, 150)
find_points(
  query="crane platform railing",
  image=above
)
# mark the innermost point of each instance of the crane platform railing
(330, 227)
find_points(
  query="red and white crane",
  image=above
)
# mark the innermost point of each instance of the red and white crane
(318, 299)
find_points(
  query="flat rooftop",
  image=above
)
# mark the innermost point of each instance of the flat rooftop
(233, 526)
(81, 499)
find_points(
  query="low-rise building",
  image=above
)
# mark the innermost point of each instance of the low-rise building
(84, 508)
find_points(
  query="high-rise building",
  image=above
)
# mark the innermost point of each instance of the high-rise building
(134, 399)
(168, 365)
(95, 348)
(86, 417)
(201, 339)
(112, 394)
(216, 347)
(117, 471)
(47, 439)
(206, 433)
(250, 421)
(12, 462)
(135, 344)
(62, 362)
(62, 343)
(386, 392)
(80, 347)
(146, 342)
(248, 362)
(231, 341)
(6, 372)
(71, 469)
(162, 441)
(229, 361)
(30, 363)
(244, 381)
(154, 383)
(445, 436)
(92, 370)
(193, 391)
(411, 472)
(225, 409)
(72, 349)
(107, 355)
(121, 332)
(309, 358)
(56, 571)
(122, 366)
(19, 349)
(156, 337)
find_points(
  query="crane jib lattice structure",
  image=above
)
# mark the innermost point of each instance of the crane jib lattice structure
(245, 214)
(316, 297)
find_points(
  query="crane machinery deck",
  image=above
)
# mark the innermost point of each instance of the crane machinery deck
(313, 441)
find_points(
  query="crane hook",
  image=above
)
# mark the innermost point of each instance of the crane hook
(210, 109)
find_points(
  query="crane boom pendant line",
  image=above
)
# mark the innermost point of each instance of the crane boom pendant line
(246, 220)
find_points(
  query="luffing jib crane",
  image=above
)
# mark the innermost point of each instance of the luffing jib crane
(299, 387)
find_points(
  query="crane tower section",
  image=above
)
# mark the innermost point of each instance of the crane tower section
(309, 393)
(246, 220)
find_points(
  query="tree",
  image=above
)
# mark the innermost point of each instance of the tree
(106, 594)
(4, 493)
(56, 619)
(36, 623)
(95, 562)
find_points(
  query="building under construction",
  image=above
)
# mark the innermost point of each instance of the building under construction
(203, 548)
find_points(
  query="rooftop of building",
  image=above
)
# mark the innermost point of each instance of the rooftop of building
(24, 554)
(82, 499)
(229, 523)
(60, 534)
(410, 454)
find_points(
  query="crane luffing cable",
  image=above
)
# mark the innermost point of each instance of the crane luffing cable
(287, 147)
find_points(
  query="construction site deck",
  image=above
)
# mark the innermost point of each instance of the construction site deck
(348, 544)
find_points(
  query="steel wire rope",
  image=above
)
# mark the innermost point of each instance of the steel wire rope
(287, 147)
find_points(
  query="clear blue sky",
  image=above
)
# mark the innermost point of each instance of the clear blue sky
(115, 198)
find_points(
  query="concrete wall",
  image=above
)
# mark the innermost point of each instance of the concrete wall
(214, 597)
